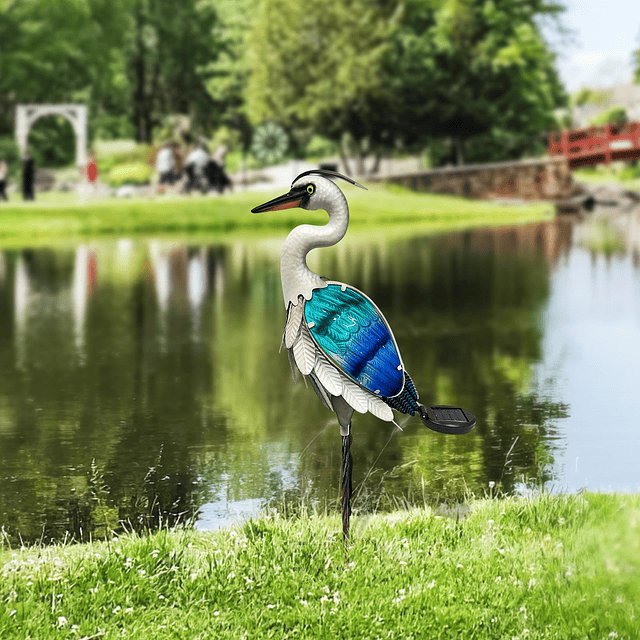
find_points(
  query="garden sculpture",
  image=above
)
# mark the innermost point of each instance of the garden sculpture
(337, 336)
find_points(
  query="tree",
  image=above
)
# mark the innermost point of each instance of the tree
(131, 61)
(170, 51)
(475, 69)
(315, 65)
(409, 72)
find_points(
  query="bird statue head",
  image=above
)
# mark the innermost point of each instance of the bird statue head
(311, 190)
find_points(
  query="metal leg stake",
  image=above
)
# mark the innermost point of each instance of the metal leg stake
(347, 467)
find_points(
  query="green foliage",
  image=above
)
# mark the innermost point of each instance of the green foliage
(131, 173)
(404, 74)
(385, 75)
(120, 152)
(590, 96)
(10, 153)
(320, 147)
(612, 115)
(314, 65)
(52, 142)
(630, 172)
(545, 567)
(132, 61)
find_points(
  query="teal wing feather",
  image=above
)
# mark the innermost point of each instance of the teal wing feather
(351, 331)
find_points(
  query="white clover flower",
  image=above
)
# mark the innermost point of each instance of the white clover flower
(62, 622)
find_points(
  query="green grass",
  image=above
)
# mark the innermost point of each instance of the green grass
(553, 567)
(603, 174)
(59, 217)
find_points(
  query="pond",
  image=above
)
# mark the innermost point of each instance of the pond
(141, 381)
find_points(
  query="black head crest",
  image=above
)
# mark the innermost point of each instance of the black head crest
(327, 173)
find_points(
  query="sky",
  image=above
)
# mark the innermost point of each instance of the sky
(598, 52)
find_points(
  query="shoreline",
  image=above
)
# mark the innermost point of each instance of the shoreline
(229, 216)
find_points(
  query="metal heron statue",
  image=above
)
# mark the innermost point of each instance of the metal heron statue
(337, 336)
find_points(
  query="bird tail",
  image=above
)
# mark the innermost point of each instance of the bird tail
(440, 418)
(407, 400)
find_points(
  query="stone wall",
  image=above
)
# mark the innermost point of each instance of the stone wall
(545, 179)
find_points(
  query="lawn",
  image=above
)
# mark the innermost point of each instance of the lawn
(627, 176)
(552, 567)
(60, 217)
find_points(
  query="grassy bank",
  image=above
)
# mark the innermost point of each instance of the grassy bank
(63, 218)
(547, 567)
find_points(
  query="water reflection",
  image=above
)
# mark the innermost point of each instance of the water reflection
(141, 382)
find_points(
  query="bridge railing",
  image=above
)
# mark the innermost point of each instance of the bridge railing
(596, 145)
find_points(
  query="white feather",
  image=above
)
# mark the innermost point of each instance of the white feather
(355, 396)
(380, 409)
(304, 352)
(328, 375)
(292, 326)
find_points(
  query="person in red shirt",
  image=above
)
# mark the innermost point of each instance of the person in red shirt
(92, 169)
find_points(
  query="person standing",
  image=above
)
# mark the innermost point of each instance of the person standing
(92, 170)
(194, 168)
(165, 166)
(28, 175)
(3, 179)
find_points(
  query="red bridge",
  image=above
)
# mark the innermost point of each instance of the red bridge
(596, 145)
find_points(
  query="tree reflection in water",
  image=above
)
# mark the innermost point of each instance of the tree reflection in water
(141, 380)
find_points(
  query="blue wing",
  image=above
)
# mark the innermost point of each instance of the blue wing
(353, 333)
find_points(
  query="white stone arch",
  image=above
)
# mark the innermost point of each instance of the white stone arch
(28, 114)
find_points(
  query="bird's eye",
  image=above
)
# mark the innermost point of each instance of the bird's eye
(310, 189)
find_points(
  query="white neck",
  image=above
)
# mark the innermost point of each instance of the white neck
(297, 278)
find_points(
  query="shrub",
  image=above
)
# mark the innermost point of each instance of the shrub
(10, 153)
(129, 173)
(610, 116)
(630, 172)
(111, 153)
